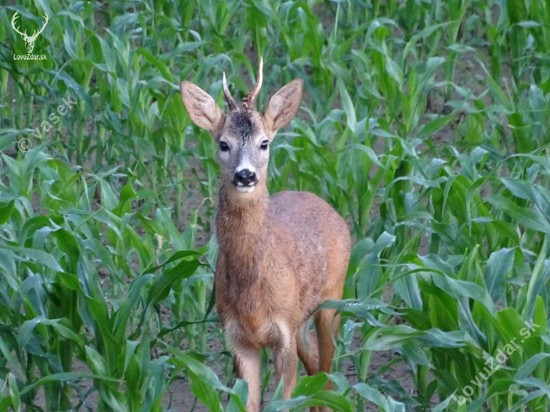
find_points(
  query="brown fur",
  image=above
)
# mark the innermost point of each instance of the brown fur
(279, 257)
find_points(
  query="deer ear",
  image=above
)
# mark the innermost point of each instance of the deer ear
(284, 105)
(201, 108)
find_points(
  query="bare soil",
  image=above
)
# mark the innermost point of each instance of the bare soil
(182, 399)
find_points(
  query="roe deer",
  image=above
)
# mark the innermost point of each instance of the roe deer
(279, 256)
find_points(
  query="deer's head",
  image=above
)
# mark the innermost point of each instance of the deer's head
(29, 40)
(243, 135)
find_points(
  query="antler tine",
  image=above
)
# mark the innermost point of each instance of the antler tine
(250, 100)
(46, 19)
(13, 24)
(230, 101)
(36, 32)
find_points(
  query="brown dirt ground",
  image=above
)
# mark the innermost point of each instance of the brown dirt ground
(184, 400)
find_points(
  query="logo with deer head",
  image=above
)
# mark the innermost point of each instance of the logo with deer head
(29, 40)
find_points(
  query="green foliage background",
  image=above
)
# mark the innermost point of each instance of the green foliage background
(425, 124)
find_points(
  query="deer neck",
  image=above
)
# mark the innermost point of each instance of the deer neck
(242, 227)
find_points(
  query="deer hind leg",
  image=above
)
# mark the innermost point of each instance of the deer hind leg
(247, 366)
(286, 360)
(325, 332)
(326, 324)
(327, 327)
(308, 349)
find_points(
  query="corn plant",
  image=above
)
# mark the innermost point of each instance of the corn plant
(424, 123)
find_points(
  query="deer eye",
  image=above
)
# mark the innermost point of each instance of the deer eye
(264, 145)
(224, 147)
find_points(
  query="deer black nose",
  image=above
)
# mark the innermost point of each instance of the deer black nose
(245, 177)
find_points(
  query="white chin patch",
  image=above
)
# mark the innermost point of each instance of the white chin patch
(246, 189)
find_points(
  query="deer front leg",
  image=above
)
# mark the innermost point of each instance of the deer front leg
(247, 365)
(286, 363)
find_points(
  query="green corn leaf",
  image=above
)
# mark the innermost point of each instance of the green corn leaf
(498, 266)
(529, 218)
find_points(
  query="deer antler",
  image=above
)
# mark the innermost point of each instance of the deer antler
(36, 32)
(250, 100)
(230, 101)
(15, 28)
